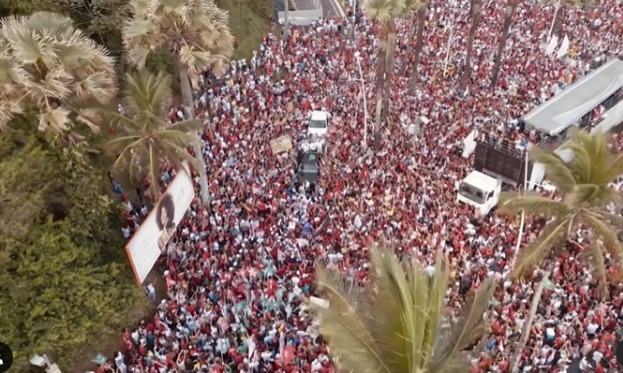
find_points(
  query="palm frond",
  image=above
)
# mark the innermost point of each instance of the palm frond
(91, 118)
(56, 120)
(582, 194)
(344, 328)
(137, 28)
(187, 126)
(591, 156)
(403, 294)
(380, 10)
(557, 170)
(552, 235)
(614, 168)
(468, 329)
(394, 324)
(615, 220)
(54, 66)
(197, 32)
(138, 55)
(604, 231)
(145, 92)
(594, 257)
(512, 203)
(121, 145)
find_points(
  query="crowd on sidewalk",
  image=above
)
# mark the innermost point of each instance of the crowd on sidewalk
(238, 269)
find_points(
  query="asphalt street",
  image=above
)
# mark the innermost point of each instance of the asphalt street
(330, 8)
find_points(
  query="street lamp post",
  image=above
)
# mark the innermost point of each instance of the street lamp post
(365, 101)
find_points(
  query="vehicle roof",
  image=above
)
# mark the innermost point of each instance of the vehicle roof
(319, 115)
(311, 157)
(481, 181)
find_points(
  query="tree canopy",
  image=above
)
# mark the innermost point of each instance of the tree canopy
(65, 277)
(584, 196)
(145, 141)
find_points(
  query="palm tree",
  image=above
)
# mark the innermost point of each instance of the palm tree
(46, 62)
(385, 13)
(511, 6)
(419, 43)
(561, 10)
(397, 322)
(195, 31)
(146, 141)
(474, 10)
(586, 194)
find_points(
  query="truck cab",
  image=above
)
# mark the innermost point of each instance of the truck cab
(480, 191)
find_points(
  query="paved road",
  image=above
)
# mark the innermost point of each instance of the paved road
(330, 8)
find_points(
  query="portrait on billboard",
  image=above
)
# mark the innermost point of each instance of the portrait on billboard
(165, 219)
(151, 239)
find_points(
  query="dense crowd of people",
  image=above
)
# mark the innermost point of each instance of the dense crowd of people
(238, 269)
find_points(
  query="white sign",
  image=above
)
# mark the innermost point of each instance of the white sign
(469, 144)
(152, 236)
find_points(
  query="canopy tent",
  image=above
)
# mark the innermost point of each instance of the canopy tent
(568, 107)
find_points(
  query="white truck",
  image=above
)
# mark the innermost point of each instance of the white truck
(480, 191)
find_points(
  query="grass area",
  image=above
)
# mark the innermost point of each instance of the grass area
(246, 25)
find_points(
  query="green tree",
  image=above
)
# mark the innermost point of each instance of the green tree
(46, 62)
(585, 195)
(385, 12)
(64, 274)
(195, 31)
(146, 141)
(99, 19)
(396, 323)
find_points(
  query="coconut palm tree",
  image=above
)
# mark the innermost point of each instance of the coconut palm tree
(474, 11)
(397, 322)
(419, 43)
(511, 6)
(585, 195)
(196, 32)
(46, 62)
(145, 141)
(561, 10)
(385, 13)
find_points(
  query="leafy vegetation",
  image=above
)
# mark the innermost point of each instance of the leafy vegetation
(65, 277)
(397, 323)
(145, 140)
(585, 195)
(64, 273)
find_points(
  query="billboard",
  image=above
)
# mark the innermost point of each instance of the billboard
(151, 238)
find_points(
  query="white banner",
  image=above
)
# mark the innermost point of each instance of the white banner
(150, 240)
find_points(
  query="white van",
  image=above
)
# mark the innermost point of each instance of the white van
(318, 124)
(480, 191)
